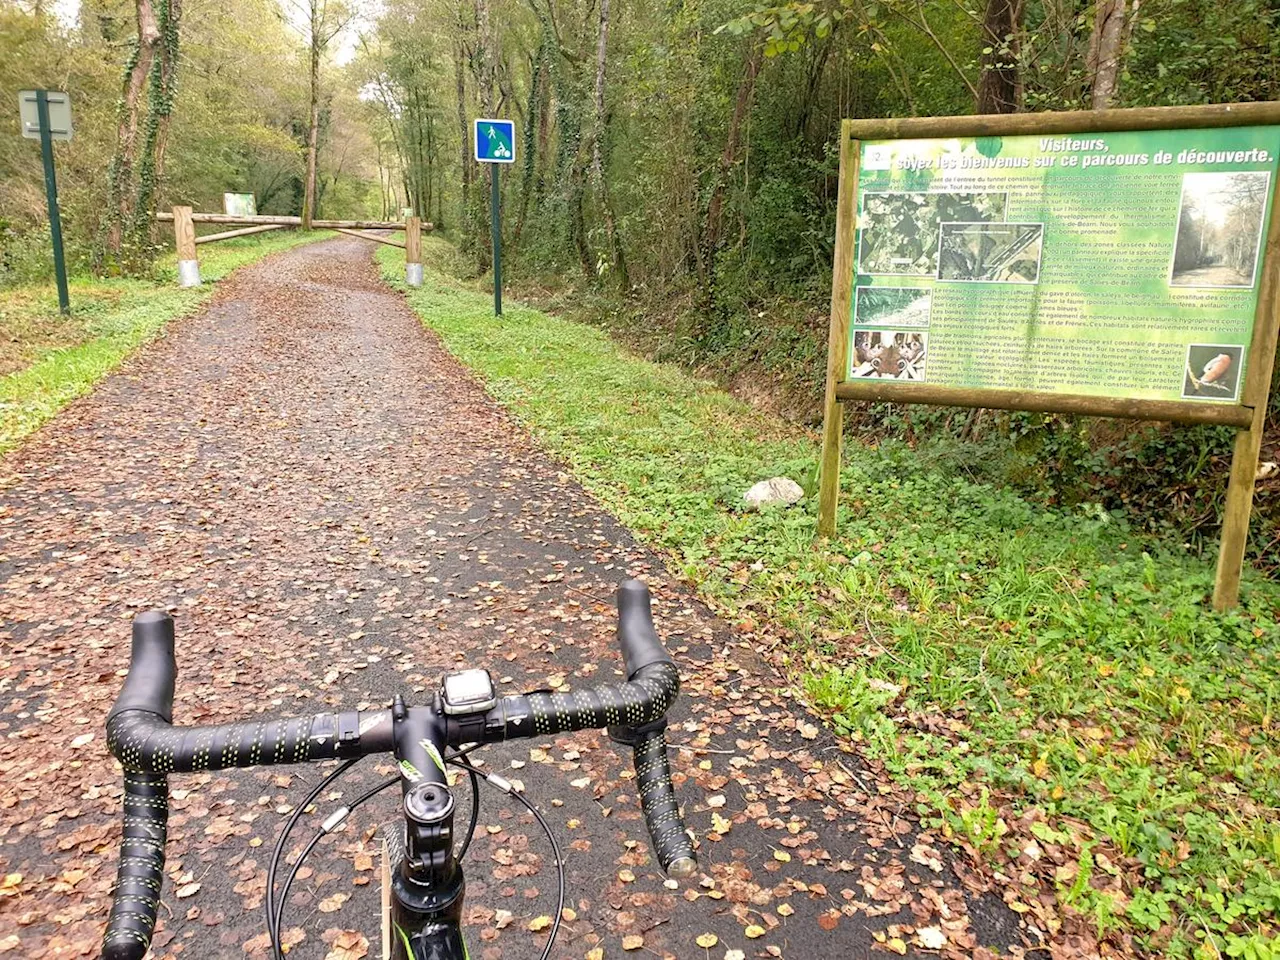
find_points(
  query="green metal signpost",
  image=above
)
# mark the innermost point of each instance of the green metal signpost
(46, 115)
(495, 142)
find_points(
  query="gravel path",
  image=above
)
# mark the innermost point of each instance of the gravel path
(335, 511)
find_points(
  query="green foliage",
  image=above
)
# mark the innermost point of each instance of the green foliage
(997, 654)
(236, 123)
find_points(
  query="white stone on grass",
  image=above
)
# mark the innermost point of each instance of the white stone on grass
(778, 490)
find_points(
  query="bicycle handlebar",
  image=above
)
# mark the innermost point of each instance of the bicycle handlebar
(140, 733)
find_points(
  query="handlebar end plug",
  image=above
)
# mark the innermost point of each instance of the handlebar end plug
(682, 868)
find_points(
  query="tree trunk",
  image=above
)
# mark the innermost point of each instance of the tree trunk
(164, 92)
(120, 174)
(464, 134)
(1106, 46)
(535, 118)
(313, 121)
(746, 90)
(597, 165)
(486, 69)
(1000, 85)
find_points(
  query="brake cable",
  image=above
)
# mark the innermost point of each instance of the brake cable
(501, 784)
(476, 775)
(269, 899)
(275, 912)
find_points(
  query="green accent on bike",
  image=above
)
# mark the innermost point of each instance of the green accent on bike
(433, 753)
(408, 947)
(410, 771)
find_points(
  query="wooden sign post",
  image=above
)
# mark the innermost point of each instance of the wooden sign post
(1117, 263)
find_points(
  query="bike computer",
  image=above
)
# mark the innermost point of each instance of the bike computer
(467, 691)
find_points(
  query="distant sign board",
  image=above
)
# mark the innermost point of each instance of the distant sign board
(495, 141)
(59, 114)
(240, 204)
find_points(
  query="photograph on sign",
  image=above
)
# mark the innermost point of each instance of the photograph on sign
(239, 204)
(1213, 371)
(990, 252)
(1219, 229)
(1121, 265)
(899, 229)
(892, 306)
(895, 354)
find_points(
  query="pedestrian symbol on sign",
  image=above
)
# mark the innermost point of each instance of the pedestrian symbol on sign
(495, 141)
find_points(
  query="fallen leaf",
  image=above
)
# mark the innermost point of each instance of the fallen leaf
(348, 945)
(931, 938)
(707, 940)
(632, 941)
(331, 903)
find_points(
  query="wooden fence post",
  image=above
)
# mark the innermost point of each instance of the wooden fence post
(184, 235)
(838, 339)
(413, 252)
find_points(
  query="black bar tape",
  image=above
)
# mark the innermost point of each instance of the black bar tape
(636, 634)
(152, 667)
(646, 698)
(137, 893)
(658, 801)
(144, 743)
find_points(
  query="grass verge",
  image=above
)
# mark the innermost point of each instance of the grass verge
(47, 360)
(1052, 683)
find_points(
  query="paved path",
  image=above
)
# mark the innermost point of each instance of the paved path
(334, 510)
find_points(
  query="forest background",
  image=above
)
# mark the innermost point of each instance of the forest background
(676, 173)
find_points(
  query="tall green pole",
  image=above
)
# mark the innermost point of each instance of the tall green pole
(495, 219)
(51, 193)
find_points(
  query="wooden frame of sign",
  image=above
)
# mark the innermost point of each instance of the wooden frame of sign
(1247, 415)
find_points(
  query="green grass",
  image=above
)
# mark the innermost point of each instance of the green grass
(1031, 672)
(48, 360)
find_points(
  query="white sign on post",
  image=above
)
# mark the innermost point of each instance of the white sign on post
(59, 115)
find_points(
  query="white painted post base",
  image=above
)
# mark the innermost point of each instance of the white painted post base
(188, 273)
(413, 274)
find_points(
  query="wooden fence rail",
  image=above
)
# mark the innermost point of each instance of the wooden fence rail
(389, 241)
(243, 232)
(184, 221)
(286, 221)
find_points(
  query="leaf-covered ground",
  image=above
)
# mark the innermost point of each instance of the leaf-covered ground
(47, 360)
(335, 511)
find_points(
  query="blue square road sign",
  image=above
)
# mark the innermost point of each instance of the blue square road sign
(495, 141)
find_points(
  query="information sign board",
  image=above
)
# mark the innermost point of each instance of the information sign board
(1115, 264)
